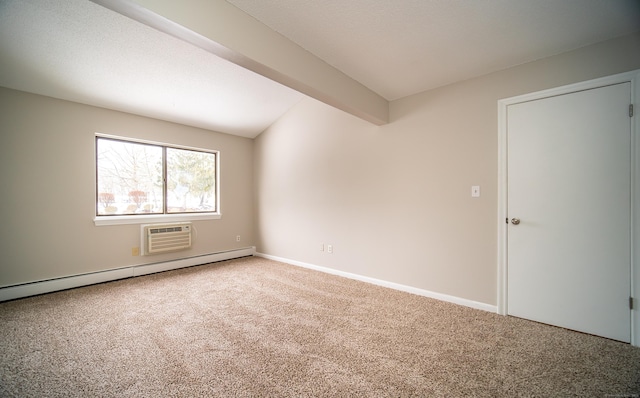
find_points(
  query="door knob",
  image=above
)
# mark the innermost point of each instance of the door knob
(515, 221)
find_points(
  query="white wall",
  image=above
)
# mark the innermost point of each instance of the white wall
(394, 200)
(47, 180)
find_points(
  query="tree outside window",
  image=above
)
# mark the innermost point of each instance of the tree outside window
(131, 178)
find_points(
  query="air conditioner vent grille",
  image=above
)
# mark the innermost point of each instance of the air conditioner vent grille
(162, 238)
(163, 230)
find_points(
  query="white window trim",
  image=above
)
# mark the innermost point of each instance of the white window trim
(150, 219)
(160, 218)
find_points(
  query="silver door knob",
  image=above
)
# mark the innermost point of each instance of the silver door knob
(515, 221)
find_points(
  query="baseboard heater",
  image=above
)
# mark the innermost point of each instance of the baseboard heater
(70, 282)
(164, 238)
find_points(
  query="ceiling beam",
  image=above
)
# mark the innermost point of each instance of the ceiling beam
(225, 31)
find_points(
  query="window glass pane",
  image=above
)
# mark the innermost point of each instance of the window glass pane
(129, 178)
(191, 181)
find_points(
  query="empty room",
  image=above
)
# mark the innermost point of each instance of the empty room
(284, 198)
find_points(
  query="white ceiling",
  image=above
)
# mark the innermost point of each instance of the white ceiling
(402, 47)
(80, 51)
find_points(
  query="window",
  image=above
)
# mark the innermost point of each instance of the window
(140, 178)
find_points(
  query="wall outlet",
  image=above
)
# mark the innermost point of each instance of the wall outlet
(330, 249)
(135, 251)
(321, 247)
(237, 238)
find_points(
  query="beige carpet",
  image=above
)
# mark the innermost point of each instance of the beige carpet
(253, 327)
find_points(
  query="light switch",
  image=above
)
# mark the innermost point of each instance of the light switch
(475, 191)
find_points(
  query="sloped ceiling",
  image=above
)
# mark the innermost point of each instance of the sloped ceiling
(81, 51)
(402, 47)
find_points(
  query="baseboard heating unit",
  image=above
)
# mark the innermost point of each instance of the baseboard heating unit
(70, 282)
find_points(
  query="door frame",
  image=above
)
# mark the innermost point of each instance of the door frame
(632, 77)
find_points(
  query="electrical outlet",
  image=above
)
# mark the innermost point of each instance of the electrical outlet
(321, 247)
(330, 249)
(135, 251)
(237, 238)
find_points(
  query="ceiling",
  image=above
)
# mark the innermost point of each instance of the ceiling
(80, 51)
(402, 47)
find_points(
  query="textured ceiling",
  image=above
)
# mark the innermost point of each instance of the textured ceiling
(80, 51)
(402, 47)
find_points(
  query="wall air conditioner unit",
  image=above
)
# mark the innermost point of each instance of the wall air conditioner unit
(163, 238)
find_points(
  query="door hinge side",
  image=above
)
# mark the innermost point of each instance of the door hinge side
(630, 302)
(631, 110)
(506, 220)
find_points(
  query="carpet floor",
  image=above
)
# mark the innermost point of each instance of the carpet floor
(252, 327)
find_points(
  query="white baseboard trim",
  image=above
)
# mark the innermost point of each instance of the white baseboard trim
(52, 285)
(409, 289)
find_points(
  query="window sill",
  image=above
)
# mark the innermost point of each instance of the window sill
(151, 219)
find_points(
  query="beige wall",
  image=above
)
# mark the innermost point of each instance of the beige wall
(47, 180)
(394, 200)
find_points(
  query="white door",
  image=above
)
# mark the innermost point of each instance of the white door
(569, 185)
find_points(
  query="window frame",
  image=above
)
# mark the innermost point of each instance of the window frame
(122, 219)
